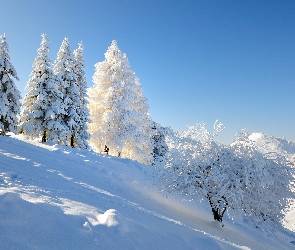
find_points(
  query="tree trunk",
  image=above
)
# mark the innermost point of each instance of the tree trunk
(72, 141)
(44, 136)
(218, 212)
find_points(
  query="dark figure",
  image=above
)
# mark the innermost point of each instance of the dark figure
(219, 210)
(106, 149)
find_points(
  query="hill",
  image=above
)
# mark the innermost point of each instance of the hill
(267, 144)
(54, 197)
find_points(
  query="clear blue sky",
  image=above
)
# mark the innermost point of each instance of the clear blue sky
(197, 60)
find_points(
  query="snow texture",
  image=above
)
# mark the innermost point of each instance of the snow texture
(56, 197)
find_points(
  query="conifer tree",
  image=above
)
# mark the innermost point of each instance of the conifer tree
(43, 104)
(64, 69)
(118, 110)
(9, 94)
(81, 134)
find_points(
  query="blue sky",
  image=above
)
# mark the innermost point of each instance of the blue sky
(197, 60)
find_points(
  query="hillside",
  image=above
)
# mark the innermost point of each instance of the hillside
(54, 197)
(268, 144)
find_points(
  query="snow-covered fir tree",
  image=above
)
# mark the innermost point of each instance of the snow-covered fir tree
(139, 146)
(64, 68)
(9, 94)
(81, 134)
(43, 104)
(118, 109)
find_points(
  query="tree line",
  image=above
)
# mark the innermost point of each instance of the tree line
(59, 107)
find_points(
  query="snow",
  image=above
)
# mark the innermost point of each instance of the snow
(267, 144)
(55, 197)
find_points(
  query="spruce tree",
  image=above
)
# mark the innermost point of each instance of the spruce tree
(9, 94)
(64, 69)
(43, 104)
(81, 134)
(118, 110)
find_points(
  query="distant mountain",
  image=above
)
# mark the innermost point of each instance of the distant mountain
(269, 144)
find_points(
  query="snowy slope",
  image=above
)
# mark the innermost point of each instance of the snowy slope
(267, 144)
(54, 197)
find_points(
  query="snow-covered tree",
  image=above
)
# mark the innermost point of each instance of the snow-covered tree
(196, 167)
(9, 94)
(118, 110)
(81, 134)
(160, 147)
(43, 104)
(64, 68)
(139, 146)
(235, 178)
(267, 183)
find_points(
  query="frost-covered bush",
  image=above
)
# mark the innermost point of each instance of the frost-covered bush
(267, 182)
(197, 167)
(233, 178)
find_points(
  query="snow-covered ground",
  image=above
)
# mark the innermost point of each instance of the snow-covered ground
(54, 197)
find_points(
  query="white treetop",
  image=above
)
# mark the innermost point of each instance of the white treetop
(9, 94)
(118, 110)
(43, 104)
(81, 134)
(64, 69)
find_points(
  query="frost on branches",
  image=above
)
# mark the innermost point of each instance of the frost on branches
(64, 69)
(43, 104)
(118, 109)
(231, 178)
(160, 147)
(81, 134)
(267, 181)
(9, 94)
